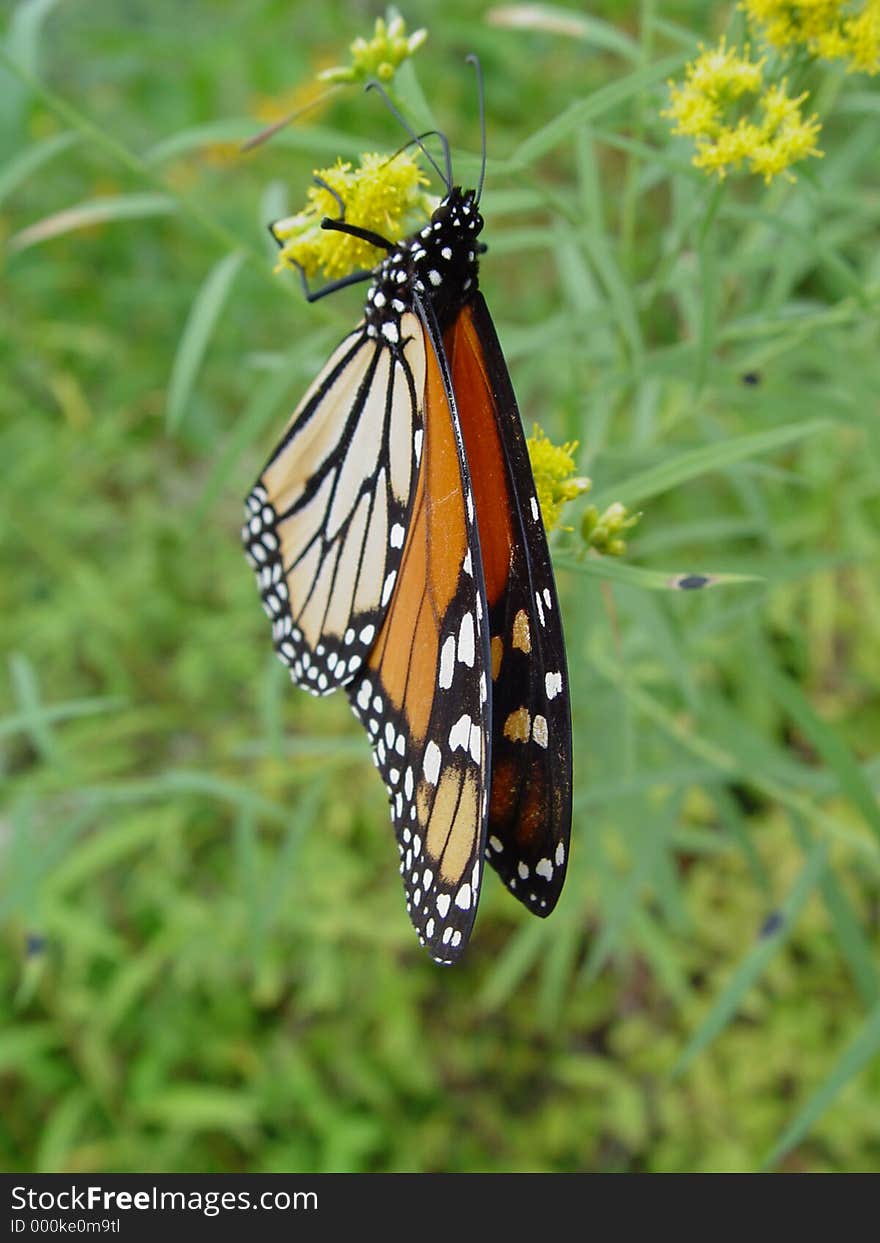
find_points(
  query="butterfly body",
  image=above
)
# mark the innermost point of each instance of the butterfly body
(399, 549)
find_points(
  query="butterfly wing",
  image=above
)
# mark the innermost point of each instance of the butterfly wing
(530, 805)
(423, 694)
(325, 522)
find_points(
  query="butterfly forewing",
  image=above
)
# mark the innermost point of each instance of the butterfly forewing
(530, 805)
(325, 522)
(423, 695)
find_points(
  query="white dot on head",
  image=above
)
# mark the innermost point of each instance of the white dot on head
(446, 252)
(434, 277)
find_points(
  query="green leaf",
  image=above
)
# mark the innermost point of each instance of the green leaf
(554, 20)
(695, 462)
(583, 111)
(651, 580)
(94, 211)
(194, 1107)
(203, 316)
(752, 967)
(863, 1049)
(830, 744)
(27, 162)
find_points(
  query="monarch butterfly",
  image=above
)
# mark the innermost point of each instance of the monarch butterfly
(401, 555)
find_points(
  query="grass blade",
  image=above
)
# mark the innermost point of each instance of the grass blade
(583, 111)
(752, 966)
(696, 462)
(865, 1047)
(33, 158)
(830, 744)
(92, 212)
(204, 314)
(554, 20)
(651, 580)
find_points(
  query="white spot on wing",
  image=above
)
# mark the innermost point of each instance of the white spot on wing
(447, 663)
(552, 684)
(466, 640)
(431, 763)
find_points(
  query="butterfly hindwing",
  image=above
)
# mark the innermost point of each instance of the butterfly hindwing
(423, 695)
(325, 522)
(530, 806)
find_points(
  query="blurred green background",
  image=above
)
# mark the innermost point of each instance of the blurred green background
(205, 963)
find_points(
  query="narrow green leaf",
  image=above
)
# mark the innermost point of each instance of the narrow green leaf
(234, 131)
(22, 41)
(651, 580)
(519, 956)
(196, 1107)
(203, 316)
(863, 1049)
(829, 743)
(94, 211)
(22, 166)
(696, 462)
(752, 967)
(854, 944)
(27, 691)
(50, 714)
(582, 111)
(554, 20)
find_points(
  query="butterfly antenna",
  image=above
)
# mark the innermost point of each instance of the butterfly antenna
(414, 137)
(429, 133)
(474, 60)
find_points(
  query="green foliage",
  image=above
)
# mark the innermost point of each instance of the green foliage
(204, 959)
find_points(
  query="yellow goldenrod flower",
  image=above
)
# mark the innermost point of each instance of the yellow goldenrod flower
(383, 195)
(713, 82)
(833, 29)
(604, 532)
(735, 119)
(553, 467)
(381, 57)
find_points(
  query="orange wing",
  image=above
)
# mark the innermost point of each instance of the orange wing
(423, 694)
(530, 806)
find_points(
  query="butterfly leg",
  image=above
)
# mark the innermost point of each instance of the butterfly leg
(313, 295)
(341, 225)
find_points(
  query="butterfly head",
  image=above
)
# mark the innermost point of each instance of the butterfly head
(445, 253)
(439, 265)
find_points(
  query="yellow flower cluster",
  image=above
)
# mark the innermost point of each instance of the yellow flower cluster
(555, 481)
(834, 29)
(383, 195)
(379, 57)
(734, 118)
